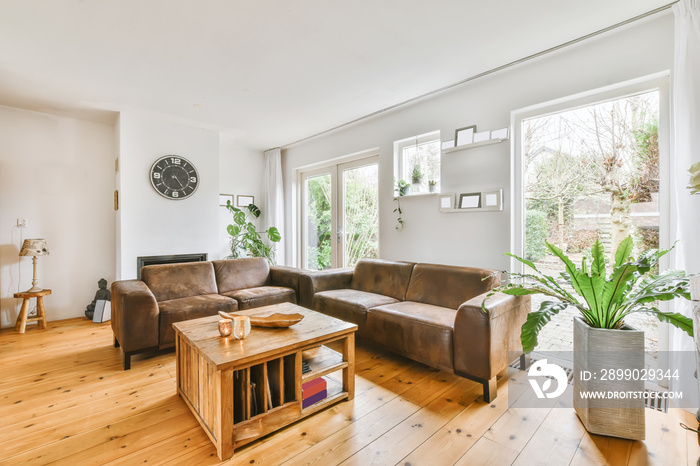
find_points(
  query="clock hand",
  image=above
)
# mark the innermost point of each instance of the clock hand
(178, 181)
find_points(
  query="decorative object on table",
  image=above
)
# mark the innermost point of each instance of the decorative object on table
(245, 239)
(464, 135)
(174, 177)
(23, 316)
(469, 201)
(606, 301)
(276, 320)
(241, 327)
(225, 327)
(34, 247)
(224, 199)
(245, 201)
(95, 311)
(694, 178)
(416, 174)
(431, 185)
(446, 201)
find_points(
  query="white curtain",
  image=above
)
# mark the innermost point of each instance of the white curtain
(686, 151)
(273, 199)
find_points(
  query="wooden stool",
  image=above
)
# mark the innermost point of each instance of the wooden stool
(40, 311)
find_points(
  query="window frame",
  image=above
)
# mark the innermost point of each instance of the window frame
(401, 171)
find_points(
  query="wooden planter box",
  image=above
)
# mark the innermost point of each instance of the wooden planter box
(597, 352)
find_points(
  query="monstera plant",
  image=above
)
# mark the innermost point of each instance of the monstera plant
(603, 300)
(245, 239)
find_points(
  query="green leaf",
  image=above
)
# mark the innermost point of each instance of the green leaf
(677, 320)
(239, 217)
(253, 209)
(524, 261)
(233, 230)
(536, 321)
(614, 294)
(624, 251)
(274, 234)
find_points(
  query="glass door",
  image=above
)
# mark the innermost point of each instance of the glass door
(340, 214)
(318, 219)
(359, 222)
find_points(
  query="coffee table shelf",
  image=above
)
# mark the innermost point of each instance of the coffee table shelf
(242, 390)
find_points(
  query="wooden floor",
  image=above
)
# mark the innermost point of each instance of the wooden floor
(66, 399)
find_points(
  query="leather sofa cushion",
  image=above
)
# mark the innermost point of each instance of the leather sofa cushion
(262, 296)
(238, 274)
(174, 281)
(382, 277)
(349, 305)
(194, 307)
(447, 285)
(422, 332)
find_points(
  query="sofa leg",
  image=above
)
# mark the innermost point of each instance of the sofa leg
(523, 362)
(490, 389)
(116, 342)
(127, 361)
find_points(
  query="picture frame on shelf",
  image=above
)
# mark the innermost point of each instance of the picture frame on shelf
(244, 200)
(464, 135)
(482, 136)
(500, 133)
(469, 201)
(225, 197)
(492, 199)
(446, 201)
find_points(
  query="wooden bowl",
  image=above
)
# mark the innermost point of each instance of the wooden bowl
(277, 320)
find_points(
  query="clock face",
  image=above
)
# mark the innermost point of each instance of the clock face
(174, 177)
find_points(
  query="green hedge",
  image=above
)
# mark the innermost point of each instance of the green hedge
(535, 235)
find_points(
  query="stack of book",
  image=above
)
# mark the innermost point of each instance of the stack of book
(313, 391)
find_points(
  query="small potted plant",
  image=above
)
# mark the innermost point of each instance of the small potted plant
(416, 174)
(402, 187)
(431, 185)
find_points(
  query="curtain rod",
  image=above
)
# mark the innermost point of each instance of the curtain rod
(486, 73)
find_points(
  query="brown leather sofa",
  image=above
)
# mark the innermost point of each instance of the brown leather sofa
(143, 311)
(427, 312)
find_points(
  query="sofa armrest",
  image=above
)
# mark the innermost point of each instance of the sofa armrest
(312, 282)
(482, 340)
(135, 315)
(286, 276)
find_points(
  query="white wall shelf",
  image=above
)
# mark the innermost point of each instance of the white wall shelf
(473, 145)
(491, 201)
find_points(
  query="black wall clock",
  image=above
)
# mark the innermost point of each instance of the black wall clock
(174, 177)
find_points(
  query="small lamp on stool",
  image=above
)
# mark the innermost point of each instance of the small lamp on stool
(34, 248)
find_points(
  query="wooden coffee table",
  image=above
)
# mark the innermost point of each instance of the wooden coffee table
(213, 373)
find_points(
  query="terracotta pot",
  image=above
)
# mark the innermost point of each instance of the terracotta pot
(599, 356)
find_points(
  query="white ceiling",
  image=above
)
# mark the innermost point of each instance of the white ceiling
(269, 72)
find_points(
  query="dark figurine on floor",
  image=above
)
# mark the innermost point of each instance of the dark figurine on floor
(102, 293)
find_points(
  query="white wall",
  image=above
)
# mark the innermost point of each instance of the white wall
(240, 173)
(57, 173)
(149, 223)
(477, 239)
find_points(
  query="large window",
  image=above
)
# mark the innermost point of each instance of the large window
(417, 163)
(592, 168)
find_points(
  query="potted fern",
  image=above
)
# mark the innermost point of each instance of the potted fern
(602, 340)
